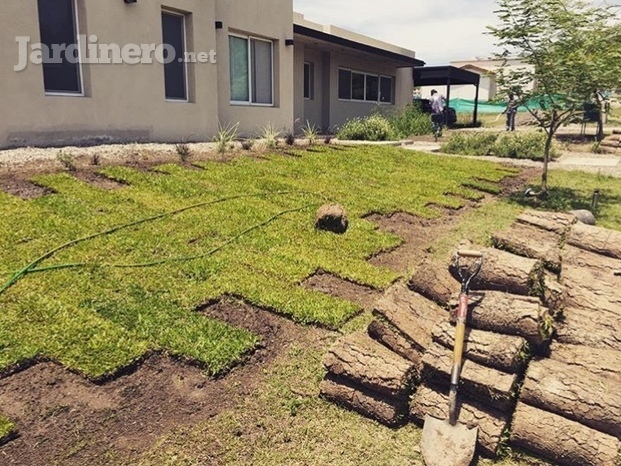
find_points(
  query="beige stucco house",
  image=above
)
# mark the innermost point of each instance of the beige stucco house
(251, 62)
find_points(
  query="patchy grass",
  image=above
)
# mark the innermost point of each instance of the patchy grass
(7, 429)
(242, 229)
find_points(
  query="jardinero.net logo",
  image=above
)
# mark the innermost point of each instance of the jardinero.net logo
(88, 50)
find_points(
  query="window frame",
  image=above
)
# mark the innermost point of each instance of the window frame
(311, 80)
(367, 74)
(76, 25)
(249, 38)
(186, 79)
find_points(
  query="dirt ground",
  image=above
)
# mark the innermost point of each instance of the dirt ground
(65, 419)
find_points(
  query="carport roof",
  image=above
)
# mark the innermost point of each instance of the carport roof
(442, 75)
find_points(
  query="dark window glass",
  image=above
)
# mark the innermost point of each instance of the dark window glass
(344, 84)
(386, 89)
(372, 90)
(240, 74)
(261, 59)
(57, 24)
(174, 70)
(357, 86)
(309, 80)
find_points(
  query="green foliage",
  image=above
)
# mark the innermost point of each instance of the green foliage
(225, 136)
(270, 134)
(67, 160)
(522, 145)
(411, 122)
(371, 128)
(7, 428)
(571, 49)
(310, 133)
(98, 318)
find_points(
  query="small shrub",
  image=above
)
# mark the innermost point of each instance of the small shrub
(290, 138)
(371, 128)
(476, 143)
(184, 152)
(225, 136)
(528, 145)
(247, 144)
(411, 122)
(597, 148)
(67, 160)
(95, 159)
(270, 135)
(310, 133)
(328, 139)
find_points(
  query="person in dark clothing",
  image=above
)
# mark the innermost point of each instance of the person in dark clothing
(512, 105)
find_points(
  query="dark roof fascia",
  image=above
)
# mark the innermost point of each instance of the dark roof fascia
(309, 32)
(438, 75)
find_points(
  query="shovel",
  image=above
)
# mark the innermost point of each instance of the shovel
(446, 442)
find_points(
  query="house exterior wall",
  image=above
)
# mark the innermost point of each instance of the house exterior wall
(270, 20)
(121, 102)
(127, 103)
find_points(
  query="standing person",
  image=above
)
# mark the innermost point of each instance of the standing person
(512, 105)
(437, 108)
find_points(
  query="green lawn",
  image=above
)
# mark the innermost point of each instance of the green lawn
(100, 304)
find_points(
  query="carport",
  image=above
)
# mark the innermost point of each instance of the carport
(447, 76)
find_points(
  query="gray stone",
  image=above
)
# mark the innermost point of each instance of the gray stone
(584, 216)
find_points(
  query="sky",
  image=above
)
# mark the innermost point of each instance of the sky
(439, 31)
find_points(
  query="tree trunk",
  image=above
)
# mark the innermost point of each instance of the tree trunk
(410, 313)
(388, 411)
(509, 314)
(433, 280)
(599, 361)
(503, 271)
(492, 387)
(596, 239)
(563, 441)
(546, 158)
(582, 326)
(531, 242)
(367, 363)
(503, 352)
(555, 222)
(391, 338)
(575, 393)
(491, 423)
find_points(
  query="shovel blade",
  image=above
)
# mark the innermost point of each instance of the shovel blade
(443, 444)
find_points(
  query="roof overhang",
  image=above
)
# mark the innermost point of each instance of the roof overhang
(403, 59)
(442, 75)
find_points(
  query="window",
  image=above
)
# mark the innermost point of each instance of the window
(58, 24)
(386, 90)
(251, 70)
(173, 34)
(309, 81)
(365, 87)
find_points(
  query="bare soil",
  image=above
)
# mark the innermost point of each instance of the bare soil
(330, 284)
(63, 418)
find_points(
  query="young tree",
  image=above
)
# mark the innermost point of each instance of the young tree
(572, 52)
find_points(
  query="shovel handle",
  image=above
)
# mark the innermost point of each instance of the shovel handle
(458, 352)
(469, 253)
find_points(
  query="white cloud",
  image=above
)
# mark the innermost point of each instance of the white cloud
(438, 31)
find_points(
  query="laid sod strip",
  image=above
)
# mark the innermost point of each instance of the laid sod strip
(160, 261)
(7, 429)
(31, 267)
(96, 319)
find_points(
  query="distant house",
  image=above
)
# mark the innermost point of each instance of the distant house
(263, 65)
(488, 87)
